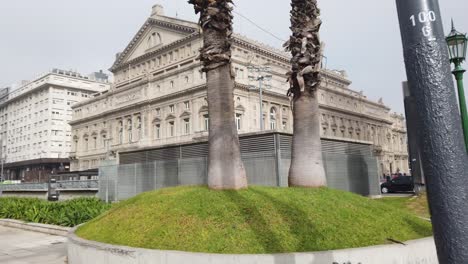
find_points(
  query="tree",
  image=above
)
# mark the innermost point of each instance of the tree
(306, 161)
(225, 167)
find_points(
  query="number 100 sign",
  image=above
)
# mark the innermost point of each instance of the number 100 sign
(425, 18)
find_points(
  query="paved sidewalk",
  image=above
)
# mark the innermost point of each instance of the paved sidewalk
(25, 247)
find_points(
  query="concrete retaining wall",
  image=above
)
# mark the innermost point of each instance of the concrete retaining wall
(41, 228)
(82, 251)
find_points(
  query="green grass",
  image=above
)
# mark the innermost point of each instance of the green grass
(417, 205)
(68, 213)
(257, 220)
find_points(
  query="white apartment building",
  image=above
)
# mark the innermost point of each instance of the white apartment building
(159, 99)
(34, 118)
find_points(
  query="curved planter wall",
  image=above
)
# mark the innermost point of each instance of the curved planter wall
(82, 251)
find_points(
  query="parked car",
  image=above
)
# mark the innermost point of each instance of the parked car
(398, 184)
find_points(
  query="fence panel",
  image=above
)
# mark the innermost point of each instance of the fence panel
(193, 171)
(345, 171)
(260, 168)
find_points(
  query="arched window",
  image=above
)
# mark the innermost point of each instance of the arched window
(273, 118)
(154, 39)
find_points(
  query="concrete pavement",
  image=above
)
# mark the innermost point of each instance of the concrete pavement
(24, 247)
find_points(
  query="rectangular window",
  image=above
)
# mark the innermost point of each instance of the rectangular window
(171, 108)
(171, 128)
(186, 126)
(187, 105)
(207, 122)
(238, 121)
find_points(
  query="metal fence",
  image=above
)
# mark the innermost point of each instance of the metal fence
(350, 172)
(61, 185)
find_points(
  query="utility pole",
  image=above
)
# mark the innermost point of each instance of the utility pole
(262, 76)
(441, 141)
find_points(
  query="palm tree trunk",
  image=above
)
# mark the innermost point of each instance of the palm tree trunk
(306, 159)
(225, 167)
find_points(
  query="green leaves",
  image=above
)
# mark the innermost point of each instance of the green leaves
(67, 213)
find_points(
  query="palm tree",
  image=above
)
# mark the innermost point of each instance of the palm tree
(306, 161)
(225, 167)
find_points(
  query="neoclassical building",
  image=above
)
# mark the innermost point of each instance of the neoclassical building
(159, 98)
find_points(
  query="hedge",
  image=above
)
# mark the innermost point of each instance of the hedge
(67, 213)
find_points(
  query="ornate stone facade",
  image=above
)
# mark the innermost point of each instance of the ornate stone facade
(159, 98)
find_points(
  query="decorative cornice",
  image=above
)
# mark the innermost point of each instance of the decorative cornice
(261, 48)
(150, 22)
(139, 104)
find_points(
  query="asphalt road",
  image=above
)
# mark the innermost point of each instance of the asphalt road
(23, 247)
(398, 195)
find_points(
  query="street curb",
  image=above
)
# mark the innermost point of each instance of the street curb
(82, 251)
(41, 228)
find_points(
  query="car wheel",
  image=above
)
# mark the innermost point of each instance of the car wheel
(384, 190)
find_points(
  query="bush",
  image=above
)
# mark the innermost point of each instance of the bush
(68, 213)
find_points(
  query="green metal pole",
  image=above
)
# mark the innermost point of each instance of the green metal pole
(458, 72)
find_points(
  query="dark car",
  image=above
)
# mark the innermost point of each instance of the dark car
(398, 184)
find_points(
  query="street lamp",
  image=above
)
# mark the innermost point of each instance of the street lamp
(457, 43)
(263, 76)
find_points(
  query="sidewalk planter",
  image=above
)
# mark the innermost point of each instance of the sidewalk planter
(81, 251)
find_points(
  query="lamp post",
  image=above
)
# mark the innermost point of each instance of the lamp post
(261, 77)
(457, 43)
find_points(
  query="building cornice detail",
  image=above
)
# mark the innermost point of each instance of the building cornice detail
(150, 22)
(138, 104)
(119, 66)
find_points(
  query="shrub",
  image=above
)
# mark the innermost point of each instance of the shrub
(68, 213)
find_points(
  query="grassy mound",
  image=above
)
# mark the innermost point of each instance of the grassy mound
(257, 220)
(417, 205)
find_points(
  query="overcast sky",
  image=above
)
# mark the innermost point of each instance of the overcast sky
(361, 36)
